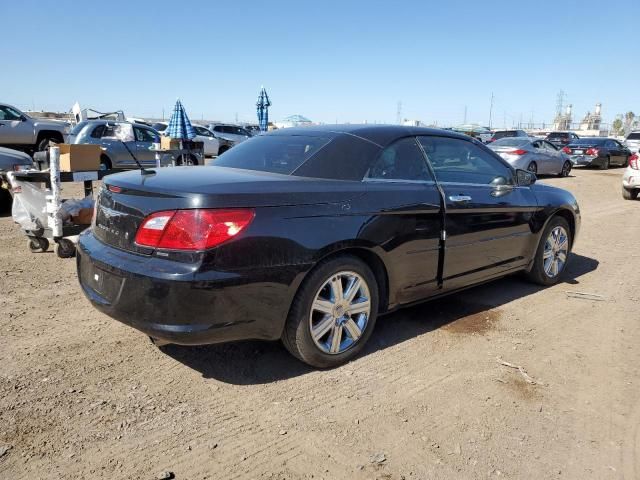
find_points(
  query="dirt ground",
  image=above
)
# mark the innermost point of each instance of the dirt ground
(82, 396)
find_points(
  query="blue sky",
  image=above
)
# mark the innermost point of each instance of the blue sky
(330, 61)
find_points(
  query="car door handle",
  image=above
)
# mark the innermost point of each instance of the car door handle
(460, 198)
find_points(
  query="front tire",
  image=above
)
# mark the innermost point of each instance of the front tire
(552, 254)
(43, 144)
(333, 313)
(105, 163)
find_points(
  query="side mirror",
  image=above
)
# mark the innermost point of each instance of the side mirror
(23, 118)
(524, 178)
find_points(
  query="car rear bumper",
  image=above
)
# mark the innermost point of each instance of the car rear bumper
(631, 178)
(177, 303)
(587, 160)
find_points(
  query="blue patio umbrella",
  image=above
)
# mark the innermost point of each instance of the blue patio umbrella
(263, 109)
(179, 124)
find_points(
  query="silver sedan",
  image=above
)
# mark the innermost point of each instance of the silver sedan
(537, 156)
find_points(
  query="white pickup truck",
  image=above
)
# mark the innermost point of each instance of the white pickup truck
(21, 132)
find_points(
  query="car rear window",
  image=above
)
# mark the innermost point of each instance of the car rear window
(634, 136)
(508, 133)
(275, 154)
(510, 142)
(558, 135)
(343, 157)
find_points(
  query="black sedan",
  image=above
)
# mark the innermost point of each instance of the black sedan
(307, 235)
(598, 152)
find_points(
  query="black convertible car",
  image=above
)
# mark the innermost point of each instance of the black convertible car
(307, 235)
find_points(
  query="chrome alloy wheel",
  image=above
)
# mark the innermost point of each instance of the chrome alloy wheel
(556, 249)
(340, 312)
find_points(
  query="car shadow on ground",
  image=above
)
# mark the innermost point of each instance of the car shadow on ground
(472, 311)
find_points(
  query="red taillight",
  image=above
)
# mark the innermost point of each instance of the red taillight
(567, 150)
(114, 188)
(196, 229)
(592, 152)
(517, 152)
(634, 161)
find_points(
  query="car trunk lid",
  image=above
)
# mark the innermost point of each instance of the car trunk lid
(127, 198)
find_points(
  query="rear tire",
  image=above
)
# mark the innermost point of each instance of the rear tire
(630, 194)
(566, 169)
(223, 149)
(533, 167)
(606, 164)
(548, 252)
(6, 200)
(339, 335)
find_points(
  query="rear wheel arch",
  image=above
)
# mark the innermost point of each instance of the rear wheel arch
(372, 260)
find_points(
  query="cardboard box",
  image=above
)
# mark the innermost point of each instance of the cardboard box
(84, 217)
(78, 158)
(167, 143)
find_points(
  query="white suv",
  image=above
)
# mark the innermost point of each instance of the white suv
(631, 178)
(632, 141)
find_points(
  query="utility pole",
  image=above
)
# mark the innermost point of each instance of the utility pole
(491, 111)
(465, 115)
(399, 113)
(560, 102)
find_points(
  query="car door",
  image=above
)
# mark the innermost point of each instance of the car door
(211, 144)
(541, 157)
(555, 159)
(625, 153)
(144, 139)
(406, 219)
(15, 128)
(487, 216)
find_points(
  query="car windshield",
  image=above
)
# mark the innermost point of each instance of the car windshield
(589, 141)
(510, 142)
(275, 154)
(634, 136)
(508, 133)
(558, 135)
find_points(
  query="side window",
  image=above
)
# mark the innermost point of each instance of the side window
(550, 146)
(144, 135)
(217, 128)
(8, 113)
(458, 161)
(402, 160)
(98, 132)
(610, 144)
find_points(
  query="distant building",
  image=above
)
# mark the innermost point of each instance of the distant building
(294, 121)
(592, 121)
(563, 120)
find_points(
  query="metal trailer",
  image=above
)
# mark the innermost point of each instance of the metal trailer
(55, 230)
